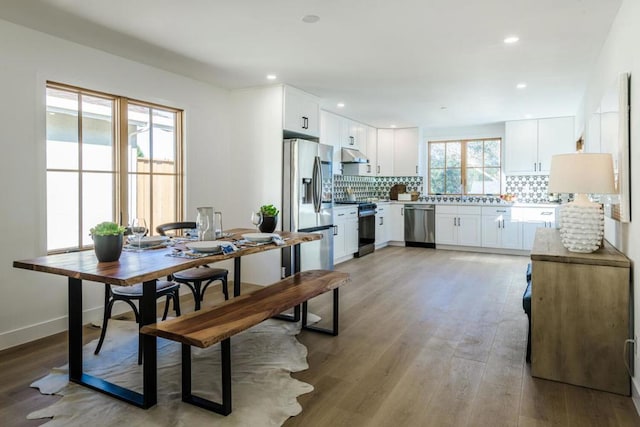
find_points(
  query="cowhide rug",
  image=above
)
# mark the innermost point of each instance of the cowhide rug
(263, 391)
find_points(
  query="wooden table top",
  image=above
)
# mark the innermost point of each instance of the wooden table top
(136, 267)
(547, 246)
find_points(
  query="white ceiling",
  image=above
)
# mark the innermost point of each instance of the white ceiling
(390, 61)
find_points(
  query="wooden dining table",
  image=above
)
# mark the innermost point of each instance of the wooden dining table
(132, 268)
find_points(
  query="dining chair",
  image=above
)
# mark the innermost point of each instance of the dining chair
(195, 277)
(129, 294)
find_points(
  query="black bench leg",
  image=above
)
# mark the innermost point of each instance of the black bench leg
(188, 397)
(336, 311)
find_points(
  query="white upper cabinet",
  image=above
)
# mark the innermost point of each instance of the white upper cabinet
(330, 135)
(555, 136)
(384, 153)
(529, 144)
(405, 152)
(301, 112)
(372, 149)
(521, 146)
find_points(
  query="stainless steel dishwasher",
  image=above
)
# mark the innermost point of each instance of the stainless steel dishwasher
(420, 225)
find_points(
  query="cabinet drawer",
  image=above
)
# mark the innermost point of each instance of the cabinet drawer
(496, 210)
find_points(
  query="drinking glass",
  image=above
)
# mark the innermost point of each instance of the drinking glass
(202, 222)
(139, 228)
(256, 218)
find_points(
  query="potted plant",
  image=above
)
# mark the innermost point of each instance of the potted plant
(107, 241)
(269, 218)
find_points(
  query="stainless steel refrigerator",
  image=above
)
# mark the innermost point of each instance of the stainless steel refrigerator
(307, 205)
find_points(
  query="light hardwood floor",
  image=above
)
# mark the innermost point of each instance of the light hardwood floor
(427, 338)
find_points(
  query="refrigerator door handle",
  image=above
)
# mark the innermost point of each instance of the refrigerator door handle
(317, 184)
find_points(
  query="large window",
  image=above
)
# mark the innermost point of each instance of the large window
(465, 166)
(109, 158)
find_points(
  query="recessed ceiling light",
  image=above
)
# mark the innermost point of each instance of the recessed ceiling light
(340, 104)
(310, 19)
(511, 39)
(393, 126)
(521, 85)
(443, 108)
(271, 77)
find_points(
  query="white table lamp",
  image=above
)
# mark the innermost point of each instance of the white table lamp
(582, 221)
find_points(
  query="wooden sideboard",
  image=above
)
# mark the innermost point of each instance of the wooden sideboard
(580, 314)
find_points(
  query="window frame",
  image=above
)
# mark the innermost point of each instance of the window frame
(119, 170)
(463, 163)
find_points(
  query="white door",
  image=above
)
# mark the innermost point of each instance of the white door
(511, 234)
(405, 152)
(521, 146)
(491, 231)
(446, 229)
(384, 166)
(555, 136)
(469, 230)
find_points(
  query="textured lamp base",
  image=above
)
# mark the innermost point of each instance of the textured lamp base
(582, 226)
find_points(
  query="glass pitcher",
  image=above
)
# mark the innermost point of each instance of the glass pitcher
(215, 222)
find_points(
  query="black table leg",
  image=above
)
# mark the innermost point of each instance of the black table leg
(296, 269)
(76, 374)
(236, 276)
(75, 329)
(150, 361)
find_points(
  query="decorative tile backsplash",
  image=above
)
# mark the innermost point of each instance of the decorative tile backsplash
(528, 188)
(372, 186)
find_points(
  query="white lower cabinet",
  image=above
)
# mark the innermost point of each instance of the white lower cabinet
(458, 225)
(396, 223)
(499, 229)
(345, 232)
(532, 219)
(382, 225)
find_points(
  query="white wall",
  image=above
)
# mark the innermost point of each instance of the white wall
(256, 137)
(493, 130)
(620, 54)
(35, 304)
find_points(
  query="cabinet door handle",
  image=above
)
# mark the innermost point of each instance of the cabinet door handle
(335, 230)
(368, 168)
(380, 221)
(503, 223)
(401, 211)
(378, 168)
(540, 166)
(454, 221)
(535, 167)
(352, 140)
(416, 169)
(305, 122)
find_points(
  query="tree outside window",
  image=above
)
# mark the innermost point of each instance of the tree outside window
(465, 166)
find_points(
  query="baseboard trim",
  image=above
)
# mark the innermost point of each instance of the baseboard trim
(54, 326)
(40, 330)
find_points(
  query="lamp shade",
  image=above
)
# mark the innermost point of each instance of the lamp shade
(588, 173)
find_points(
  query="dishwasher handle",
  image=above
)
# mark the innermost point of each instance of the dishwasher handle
(419, 207)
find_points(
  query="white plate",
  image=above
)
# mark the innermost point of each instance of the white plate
(259, 237)
(206, 246)
(148, 241)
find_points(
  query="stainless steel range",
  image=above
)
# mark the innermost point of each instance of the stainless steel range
(366, 227)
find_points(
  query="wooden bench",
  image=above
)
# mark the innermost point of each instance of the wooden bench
(219, 323)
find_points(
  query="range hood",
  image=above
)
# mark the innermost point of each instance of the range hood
(351, 155)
